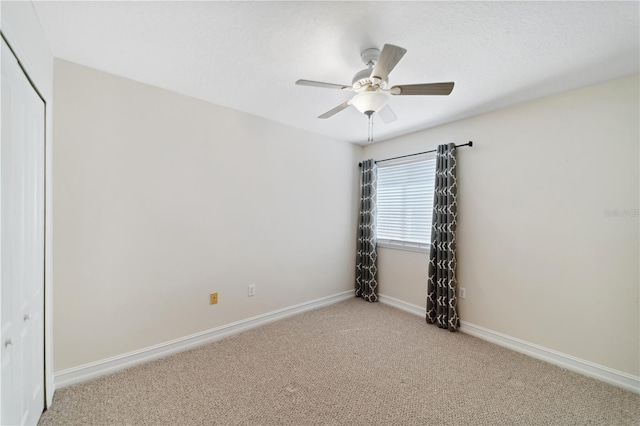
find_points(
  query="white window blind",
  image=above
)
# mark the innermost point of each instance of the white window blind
(405, 203)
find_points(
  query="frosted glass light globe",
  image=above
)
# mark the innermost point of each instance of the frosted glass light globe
(369, 101)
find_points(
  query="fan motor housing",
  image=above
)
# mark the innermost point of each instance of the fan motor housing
(362, 80)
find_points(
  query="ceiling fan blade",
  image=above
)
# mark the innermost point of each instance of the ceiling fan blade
(389, 58)
(321, 84)
(423, 89)
(336, 109)
(387, 115)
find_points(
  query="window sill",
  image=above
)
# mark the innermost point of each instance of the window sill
(404, 246)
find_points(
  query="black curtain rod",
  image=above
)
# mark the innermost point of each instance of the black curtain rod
(469, 144)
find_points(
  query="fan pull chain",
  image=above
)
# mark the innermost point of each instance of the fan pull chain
(370, 138)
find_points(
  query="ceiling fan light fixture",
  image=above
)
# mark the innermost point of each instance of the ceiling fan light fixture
(370, 85)
(369, 101)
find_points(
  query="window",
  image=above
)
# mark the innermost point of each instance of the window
(405, 203)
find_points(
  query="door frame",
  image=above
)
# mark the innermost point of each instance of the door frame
(46, 253)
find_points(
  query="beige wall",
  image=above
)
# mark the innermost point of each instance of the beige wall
(540, 259)
(162, 199)
(21, 28)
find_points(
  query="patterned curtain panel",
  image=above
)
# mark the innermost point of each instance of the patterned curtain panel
(442, 303)
(367, 272)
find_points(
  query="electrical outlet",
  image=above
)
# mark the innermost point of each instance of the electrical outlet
(462, 292)
(252, 290)
(213, 298)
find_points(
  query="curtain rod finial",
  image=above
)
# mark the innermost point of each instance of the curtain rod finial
(470, 144)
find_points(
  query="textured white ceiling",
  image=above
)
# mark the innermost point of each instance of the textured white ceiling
(247, 55)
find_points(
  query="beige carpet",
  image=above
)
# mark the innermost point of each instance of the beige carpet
(352, 363)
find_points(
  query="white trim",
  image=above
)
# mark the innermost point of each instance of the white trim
(399, 304)
(96, 369)
(587, 368)
(406, 246)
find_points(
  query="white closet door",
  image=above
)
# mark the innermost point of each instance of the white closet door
(22, 246)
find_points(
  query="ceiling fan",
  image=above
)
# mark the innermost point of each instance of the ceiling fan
(370, 85)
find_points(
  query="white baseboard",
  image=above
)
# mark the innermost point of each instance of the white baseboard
(110, 365)
(587, 368)
(405, 306)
